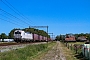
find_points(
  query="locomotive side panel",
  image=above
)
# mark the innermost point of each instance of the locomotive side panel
(20, 36)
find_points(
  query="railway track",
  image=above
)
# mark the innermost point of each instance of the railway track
(6, 44)
(14, 43)
(13, 46)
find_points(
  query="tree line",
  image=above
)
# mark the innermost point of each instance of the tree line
(30, 30)
(3, 36)
(62, 37)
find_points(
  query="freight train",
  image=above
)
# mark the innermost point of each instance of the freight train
(22, 36)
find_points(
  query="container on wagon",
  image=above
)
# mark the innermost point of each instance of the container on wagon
(41, 38)
(44, 38)
(35, 37)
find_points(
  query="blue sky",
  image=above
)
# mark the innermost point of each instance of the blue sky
(62, 16)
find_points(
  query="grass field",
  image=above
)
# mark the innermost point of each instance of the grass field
(68, 53)
(71, 53)
(27, 53)
(42, 54)
(75, 43)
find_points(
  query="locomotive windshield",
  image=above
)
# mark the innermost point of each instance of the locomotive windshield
(17, 32)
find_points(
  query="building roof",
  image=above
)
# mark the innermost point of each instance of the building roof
(82, 38)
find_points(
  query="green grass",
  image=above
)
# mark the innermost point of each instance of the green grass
(71, 53)
(42, 53)
(76, 43)
(26, 53)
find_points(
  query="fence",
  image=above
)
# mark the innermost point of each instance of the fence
(84, 49)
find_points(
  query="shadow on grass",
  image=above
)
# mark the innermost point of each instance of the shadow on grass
(80, 56)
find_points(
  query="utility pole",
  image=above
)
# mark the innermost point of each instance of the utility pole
(52, 34)
(54, 37)
(47, 36)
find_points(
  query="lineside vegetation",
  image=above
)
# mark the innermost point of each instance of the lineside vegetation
(27, 53)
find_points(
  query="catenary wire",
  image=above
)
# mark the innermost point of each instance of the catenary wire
(19, 12)
(12, 15)
(10, 19)
(13, 9)
(11, 22)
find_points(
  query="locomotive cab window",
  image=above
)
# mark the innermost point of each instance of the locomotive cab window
(17, 32)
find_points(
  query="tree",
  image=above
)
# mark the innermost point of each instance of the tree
(76, 36)
(11, 34)
(3, 36)
(57, 38)
(30, 30)
(60, 37)
(67, 35)
(0, 36)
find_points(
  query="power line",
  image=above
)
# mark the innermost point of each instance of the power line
(18, 11)
(8, 18)
(12, 15)
(10, 22)
(13, 9)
